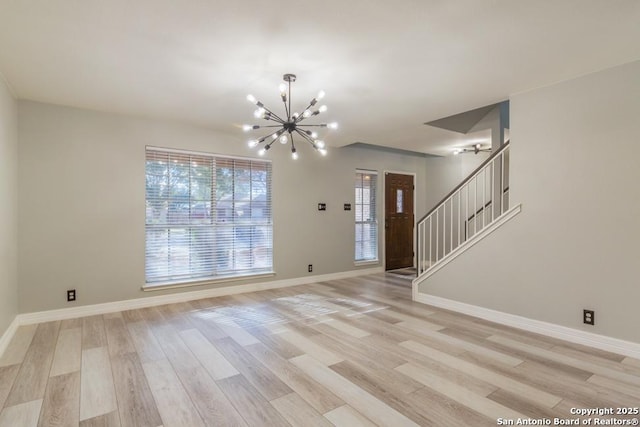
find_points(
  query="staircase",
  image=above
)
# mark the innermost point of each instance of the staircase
(472, 210)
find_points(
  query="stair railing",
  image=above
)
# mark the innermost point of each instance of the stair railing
(470, 207)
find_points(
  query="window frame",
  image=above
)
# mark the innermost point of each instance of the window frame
(190, 277)
(372, 202)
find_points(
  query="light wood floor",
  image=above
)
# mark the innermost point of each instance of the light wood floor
(354, 352)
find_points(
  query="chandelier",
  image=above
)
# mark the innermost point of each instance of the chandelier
(476, 148)
(285, 128)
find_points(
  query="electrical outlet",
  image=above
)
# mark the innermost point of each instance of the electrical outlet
(589, 317)
(71, 295)
(310, 268)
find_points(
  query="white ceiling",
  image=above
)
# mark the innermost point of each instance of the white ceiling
(387, 66)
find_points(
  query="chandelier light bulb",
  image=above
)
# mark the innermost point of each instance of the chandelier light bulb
(283, 88)
(478, 146)
(252, 99)
(306, 113)
(332, 125)
(322, 151)
(247, 128)
(320, 95)
(261, 152)
(295, 115)
(253, 143)
(314, 135)
(320, 144)
(259, 113)
(284, 139)
(322, 108)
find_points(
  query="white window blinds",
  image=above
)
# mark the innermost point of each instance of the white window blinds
(366, 216)
(206, 216)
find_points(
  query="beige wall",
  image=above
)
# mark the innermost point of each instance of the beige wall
(81, 188)
(575, 156)
(8, 207)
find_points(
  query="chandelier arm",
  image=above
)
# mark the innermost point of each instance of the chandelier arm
(321, 125)
(277, 133)
(301, 117)
(308, 138)
(278, 119)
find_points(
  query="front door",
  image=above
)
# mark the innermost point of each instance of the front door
(398, 220)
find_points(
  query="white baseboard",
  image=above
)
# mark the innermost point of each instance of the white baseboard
(5, 339)
(614, 345)
(132, 304)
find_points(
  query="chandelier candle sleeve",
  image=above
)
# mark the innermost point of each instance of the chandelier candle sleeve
(284, 129)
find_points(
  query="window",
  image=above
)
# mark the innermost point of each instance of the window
(366, 216)
(206, 216)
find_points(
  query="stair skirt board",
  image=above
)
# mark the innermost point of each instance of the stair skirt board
(602, 342)
(502, 219)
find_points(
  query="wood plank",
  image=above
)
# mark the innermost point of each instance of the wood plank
(268, 384)
(174, 403)
(32, 378)
(630, 361)
(212, 403)
(112, 419)
(71, 323)
(276, 343)
(298, 412)
(117, 334)
(499, 356)
(568, 360)
(8, 375)
(346, 416)
(93, 334)
(17, 348)
(459, 394)
(61, 405)
(475, 385)
(97, 393)
(202, 321)
(145, 342)
(24, 414)
(535, 395)
(208, 355)
(136, 404)
(68, 354)
(444, 411)
(360, 351)
(253, 407)
(613, 385)
(346, 328)
(360, 400)
(401, 402)
(316, 395)
(309, 347)
(523, 406)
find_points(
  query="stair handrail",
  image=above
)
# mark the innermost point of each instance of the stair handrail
(466, 180)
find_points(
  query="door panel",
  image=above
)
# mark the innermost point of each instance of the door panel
(398, 221)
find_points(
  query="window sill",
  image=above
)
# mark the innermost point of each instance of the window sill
(367, 262)
(202, 282)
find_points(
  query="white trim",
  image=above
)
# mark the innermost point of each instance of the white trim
(467, 245)
(5, 339)
(110, 307)
(151, 287)
(614, 345)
